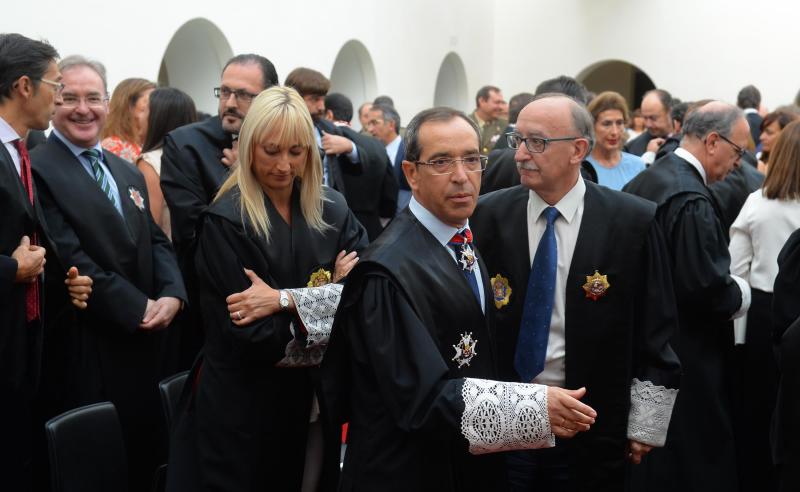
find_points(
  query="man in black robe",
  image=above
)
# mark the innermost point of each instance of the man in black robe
(195, 162)
(411, 364)
(612, 312)
(700, 452)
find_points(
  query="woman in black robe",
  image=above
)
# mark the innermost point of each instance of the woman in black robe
(250, 400)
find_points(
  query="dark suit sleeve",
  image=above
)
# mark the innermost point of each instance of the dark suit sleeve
(114, 298)
(8, 274)
(168, 279)
(389, 188)
(785, 305)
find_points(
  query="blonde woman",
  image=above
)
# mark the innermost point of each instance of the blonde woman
(267, 272)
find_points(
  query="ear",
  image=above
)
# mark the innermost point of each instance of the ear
(24, 85)
(411, 172)
(581, 146)
(711, 143)
(329, 115)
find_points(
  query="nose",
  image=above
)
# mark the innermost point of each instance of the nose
(522, 154)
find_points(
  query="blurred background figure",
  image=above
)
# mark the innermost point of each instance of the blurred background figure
(126, 126)
(636, 124)
(771, 128)
(168, 109)
(749, 100)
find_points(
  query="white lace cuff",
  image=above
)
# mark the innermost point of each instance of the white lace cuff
(316, 307)
(502, 416)
(651, 410)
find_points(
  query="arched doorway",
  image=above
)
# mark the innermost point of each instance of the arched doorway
(617, 75)
(193, 62)
(451, 84)
(353, 75)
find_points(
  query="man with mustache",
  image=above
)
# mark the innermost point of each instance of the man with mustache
(195, 163)
(583, 298)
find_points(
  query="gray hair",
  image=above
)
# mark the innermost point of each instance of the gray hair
(74, 61)
(388, 113)
(413, 149)
(582, 121)
(702, 121)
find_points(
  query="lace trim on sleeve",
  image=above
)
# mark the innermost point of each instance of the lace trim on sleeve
(651, 410)
(502, 416)
(316, 308)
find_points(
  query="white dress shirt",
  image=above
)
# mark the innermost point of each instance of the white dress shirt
(8, 136)
(444, 233)
(567, 225)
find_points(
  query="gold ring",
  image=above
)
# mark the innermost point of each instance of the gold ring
(239, 315)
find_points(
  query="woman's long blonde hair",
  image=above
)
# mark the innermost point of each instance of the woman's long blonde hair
(282, 112)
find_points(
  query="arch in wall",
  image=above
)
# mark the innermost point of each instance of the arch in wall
(617, 75)
(353, 75)
(451, 84)
(193, 62)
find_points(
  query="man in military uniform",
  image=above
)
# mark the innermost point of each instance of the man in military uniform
(489, 104)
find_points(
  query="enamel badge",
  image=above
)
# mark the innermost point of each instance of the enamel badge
(596, 286)
(467, 259)
(501, 290)
(319, 278)
(136, 197)
(465, 350)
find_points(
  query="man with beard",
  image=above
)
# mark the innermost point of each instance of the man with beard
(657, 112)
(195, 163)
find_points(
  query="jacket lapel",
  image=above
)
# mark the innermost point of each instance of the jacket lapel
(128, 193)
(17, 183)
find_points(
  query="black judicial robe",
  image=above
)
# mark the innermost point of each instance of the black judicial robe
(609, 342)
(390, 368)
(730, 193)
(700, 452)
(245, 418)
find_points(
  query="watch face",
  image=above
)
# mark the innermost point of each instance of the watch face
(284, 300)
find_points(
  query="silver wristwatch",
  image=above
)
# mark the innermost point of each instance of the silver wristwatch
(284, 300)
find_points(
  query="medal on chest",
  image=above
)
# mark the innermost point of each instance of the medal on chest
(466, 258)
(319, 278)
(501, 290)
(596, 286)
(465, 350)
(136, 197)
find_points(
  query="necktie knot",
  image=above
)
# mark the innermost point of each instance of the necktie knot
(464, 236)
(550, 214)
(92, 154)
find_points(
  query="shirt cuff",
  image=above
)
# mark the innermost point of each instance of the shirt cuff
(746, 297)
(649, 157)
(650, 413)
(353, 155)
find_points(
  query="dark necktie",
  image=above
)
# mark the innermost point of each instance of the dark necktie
(538, 309)
(99, 175)
(32, 289)
(465, 256)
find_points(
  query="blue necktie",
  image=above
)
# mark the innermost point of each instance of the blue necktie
(99, 175)
(465, 256)
(535, 326)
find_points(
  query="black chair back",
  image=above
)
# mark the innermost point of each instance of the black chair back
(87, 452)
(170, 390)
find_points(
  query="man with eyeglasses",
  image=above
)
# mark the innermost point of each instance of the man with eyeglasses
(96, 209)
(582, 299)
(700, 452)
(411, 362)
(196, 161)
(383, 123)
(657, 113)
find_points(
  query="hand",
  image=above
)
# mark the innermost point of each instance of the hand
(762, 167)
(344, 263)
(79, 287)
(637, 450)
(30, 261)
(258, 301)
(654, 144)
(568, 416)
(334, 144)
(159, 314)
(230, 156)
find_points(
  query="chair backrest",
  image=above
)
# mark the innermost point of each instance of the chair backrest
(87, 452)
(170, 390)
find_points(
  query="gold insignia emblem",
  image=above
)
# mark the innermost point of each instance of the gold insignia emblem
(319, 278)
(596, 285)
(501, 290)
(465, 350)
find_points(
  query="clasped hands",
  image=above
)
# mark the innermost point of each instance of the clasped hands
(30, 264)
(260, 300)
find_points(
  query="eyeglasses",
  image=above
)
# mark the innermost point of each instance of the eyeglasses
(535, 145)
(57, 85)
(93, 101)
(241, 95)
(740, 151)
(447, 165)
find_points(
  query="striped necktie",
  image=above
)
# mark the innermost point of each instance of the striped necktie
(99, 175)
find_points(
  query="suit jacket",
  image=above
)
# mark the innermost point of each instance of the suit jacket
(730, 193)
(340, 165)
(638, 145)
(609, 341)
(754, 120)
(501, 171)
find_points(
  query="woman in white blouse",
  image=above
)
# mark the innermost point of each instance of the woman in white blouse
(767, 219)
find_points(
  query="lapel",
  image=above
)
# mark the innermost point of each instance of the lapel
(11, 170)
(590, 235)
(131, 212)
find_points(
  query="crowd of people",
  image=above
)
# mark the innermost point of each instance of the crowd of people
(554, 293)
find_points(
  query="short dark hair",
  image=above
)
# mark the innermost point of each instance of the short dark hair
(749, 97)
(564, 84)
(413, 150)
(679, 111)
(663, 96)
(484, 92)
(340, 105)
(21, 56)
(515, 105)
(308, 82)
(384, 101)
(170, 108)
(388, 113)
(269, 76)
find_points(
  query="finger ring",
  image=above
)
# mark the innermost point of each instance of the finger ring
(238, 315)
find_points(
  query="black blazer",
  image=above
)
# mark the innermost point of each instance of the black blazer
(638, 145)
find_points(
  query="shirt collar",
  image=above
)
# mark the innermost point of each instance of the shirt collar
(77, 151)
(391, 147)
(7, 132)
(567, 206)
(691, 159)
(750, 110)
(441, 231)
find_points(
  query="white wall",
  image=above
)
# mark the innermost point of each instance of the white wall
(693, 48)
